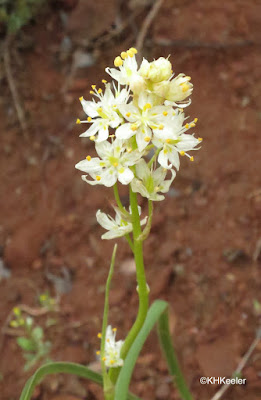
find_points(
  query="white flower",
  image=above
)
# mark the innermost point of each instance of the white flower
(148, 183)
(118, 227)
(103, 114)
(156, 71)
(127, 74)
(174, 91)
(174, 142)
(112, 165)
(142, 120)
(112, 351)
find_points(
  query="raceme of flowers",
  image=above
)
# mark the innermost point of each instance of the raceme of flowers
(139, 130)
(112, 350)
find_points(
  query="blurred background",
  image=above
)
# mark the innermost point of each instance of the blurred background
(204, 252)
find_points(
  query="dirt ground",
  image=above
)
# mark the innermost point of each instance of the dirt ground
(203, 255)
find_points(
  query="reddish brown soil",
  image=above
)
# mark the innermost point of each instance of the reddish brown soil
(199, 256)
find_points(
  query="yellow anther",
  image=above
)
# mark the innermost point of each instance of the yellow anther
(112, 362)
(88, 158)
(130, 53)
(103, 358)
(187, 126)
(78, 121)
(133, 50)
(99, 335)
(98, 353)
(182, 153)
(112, 136)
(17, 311)
(115, 164)
(128, 114)
(200, 139)
(129, 150)
(147, 106)
(92, 138)
(181, 110)
(165, 151)
(195, 120)
(192, 125)
(185, 87)
(81, 98)
(89, 119)
(147, 139)
(98, 178)
(165, 113)
(168, 140)
(104, 81)
(118, 62)
(93, 87)
(161, 126)
(192, 158)
(134, 127)
(107, 340)
(124, 55)
(99, 109)
(91, 92)
(114, 329)
(99, 90)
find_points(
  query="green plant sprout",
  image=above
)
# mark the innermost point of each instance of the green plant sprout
(48, 302)
(32, 342)
(14, 14)
(139, 130)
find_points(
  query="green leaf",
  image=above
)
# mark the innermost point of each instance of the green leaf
(37, 333)
(26, 344)
(156, 313)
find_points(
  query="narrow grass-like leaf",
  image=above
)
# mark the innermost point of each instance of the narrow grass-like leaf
(123, 381)
(170, 355)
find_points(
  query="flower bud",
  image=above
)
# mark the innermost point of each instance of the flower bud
(179, 88)
(156, 71)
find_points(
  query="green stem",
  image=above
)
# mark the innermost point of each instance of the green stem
(153, 158)
(124, 212)
(146, 230)
(141, 280)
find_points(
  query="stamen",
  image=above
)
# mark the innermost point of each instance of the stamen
(92, 138)
(91, 92)
(112, 362)
(187, 126)
(165, 113)
(161, 126)
(98, 178)
(103, 358)
(195, 120)
(185, 87)
(93, 87)
(78, 121)
(108, 340)
(128, 114)
(114, 329)
(98, 352)
(133, 50)
(134, 127)
(192, 124)
(104, 81)
(192, 158)
(81, 98)
(115, 164)
(118, 62)
(89, 119)
(168, 140)
(99, 109)
(124, 55)
(99, 335)
(147, 139)
(200, 139)
(182, 153)
(130, 53)
(147, 107)
(181, 110)
(99, 90)
(88, 158)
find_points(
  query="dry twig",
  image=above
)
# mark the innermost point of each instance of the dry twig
(12, 86)
(241, 365)
(146, 24)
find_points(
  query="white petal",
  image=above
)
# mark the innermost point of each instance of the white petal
(102, 134)
(89, 107)
(138, 187)
(105, 221)
(174, 158)
(124, 131)
(129, 108)
(140, 135)
(92, 130)
(117, 232)
(108, 177)
(103, 149)
(126, 176)
(142, 170)
(89, 166)
(163, 160)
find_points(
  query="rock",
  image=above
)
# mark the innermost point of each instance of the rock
(163, 391)
(128, 267)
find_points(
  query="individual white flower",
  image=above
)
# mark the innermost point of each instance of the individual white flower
(175, 91)
(112, 352)
(156, 71)
(118, 227)
(174, 142)
(113, 164)
(142, 119)
(127, 74)
(149, 183)
(103, 114)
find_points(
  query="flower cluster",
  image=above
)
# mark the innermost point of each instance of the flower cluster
(112, 350)
(139, 129)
